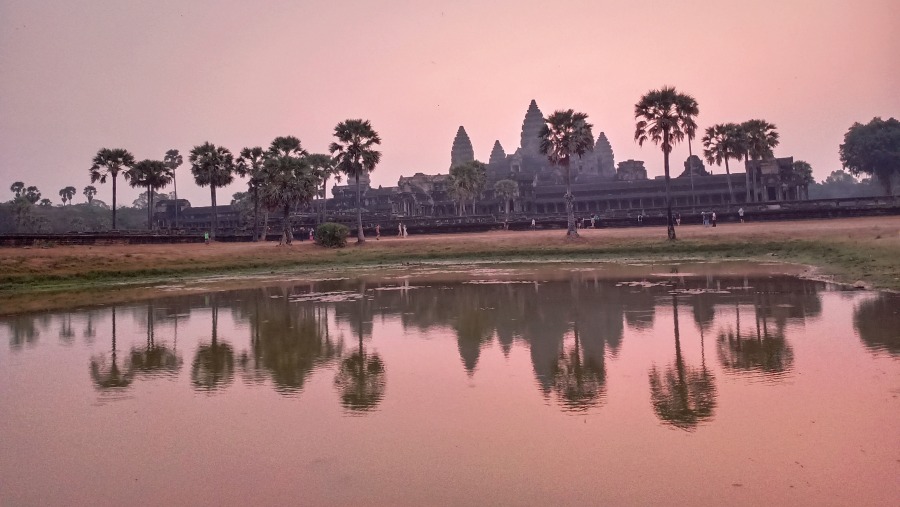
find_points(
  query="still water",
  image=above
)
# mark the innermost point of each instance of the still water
(575, 385)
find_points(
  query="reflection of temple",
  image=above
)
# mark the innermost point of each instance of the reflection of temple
(599, 186)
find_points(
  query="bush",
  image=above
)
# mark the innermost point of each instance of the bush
(332, 235)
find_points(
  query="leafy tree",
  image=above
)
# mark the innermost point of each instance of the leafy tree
(212, 166)
(722, 142)
(760, 138)
(32, 194)
(67, 194)
(354, 155)
(45, 203)
(17, 188)
(89, 192)
(323, 167)
(664, 119)
(799, 176)
(173, 161)
(840, 184)
(290, 181)
(108, 162)
(250, 165)
(564, 134)
(874, 149)
(151, 174)
(506, 190)
(466, 183)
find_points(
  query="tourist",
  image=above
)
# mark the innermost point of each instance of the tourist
(593, 218)
(206, 237)
(377, 231)
(533, 225)
(713, 218)
(741, 214)
(400, 230)
(405, 234)
(641, 219)
(678, 219)
(312, 236)
(705, 219)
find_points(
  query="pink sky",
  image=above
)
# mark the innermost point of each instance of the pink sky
(78, 75)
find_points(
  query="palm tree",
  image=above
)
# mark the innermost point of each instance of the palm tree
(67, 194)
(466, 182)
(323, 167)
(355, 155)
(290, 181)
(250, 165)
(108, 162)
(173, 160)
(506, 190)
(566, 133)
(89, 192)
(664, 119)
(689, 109)
(212, 165)
(760, 138)
(151, 174)
(722, 142)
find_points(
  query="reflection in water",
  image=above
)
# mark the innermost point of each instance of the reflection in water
(360, 380)
(682, 396)
(765, 352)
(155, 359)
(213, 366)
(877, 321)
(580, 378)
(106, 374)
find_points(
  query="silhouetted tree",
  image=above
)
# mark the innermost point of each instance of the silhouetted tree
(355, 155)
(108, 162)
(564, 135)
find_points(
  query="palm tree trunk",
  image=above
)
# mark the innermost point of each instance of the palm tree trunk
(670, 223)
(325, 201)
(286, 236)
(215, 227)
(115, 176)
(570, 209)
(149, 207)
(265, 228)
(255, 213)
(728, 172)
(360, 237)
(175, 182)
(691, 172)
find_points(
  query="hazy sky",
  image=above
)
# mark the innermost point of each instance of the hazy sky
(78, 75)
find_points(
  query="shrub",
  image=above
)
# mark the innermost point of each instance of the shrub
(332, 235)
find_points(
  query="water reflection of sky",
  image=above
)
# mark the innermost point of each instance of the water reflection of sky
(780, 385)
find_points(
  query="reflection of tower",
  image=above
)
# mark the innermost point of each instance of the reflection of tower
(462, 151)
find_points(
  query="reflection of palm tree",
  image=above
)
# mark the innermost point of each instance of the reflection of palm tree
(682, 396)
(156, 358)
(767, 353)
(360, 379)
(878, 323)
(110, 376)
(213, 366)
(579, 380)
(23, 330)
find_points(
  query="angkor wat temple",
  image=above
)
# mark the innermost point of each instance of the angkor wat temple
(598, 184)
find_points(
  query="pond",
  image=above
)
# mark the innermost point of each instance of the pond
(529, 385)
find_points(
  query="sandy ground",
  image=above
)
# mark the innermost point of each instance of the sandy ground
(69, 259)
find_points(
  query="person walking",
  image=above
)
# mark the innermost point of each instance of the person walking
(741, 214)
(533, 224)
(713, 218)
(405, 234)
(377, 231)
(400, 230)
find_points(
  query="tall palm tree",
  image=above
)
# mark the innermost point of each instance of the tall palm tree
(108, 162)
(760, 137)
(173, 160)
(688, 108)
(506, 190)
(354, 154)
(290, 181)
(323, 167)
(214, 166)
(250, 165)
(664, 120)
(67, 194)
(564, 134)
(89, 192)
(722, 142)
(150, 174)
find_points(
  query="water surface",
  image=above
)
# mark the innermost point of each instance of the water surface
(572, 385)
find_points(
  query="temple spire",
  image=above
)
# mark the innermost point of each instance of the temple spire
(462, 151)
(531, 129)
(498, 156)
